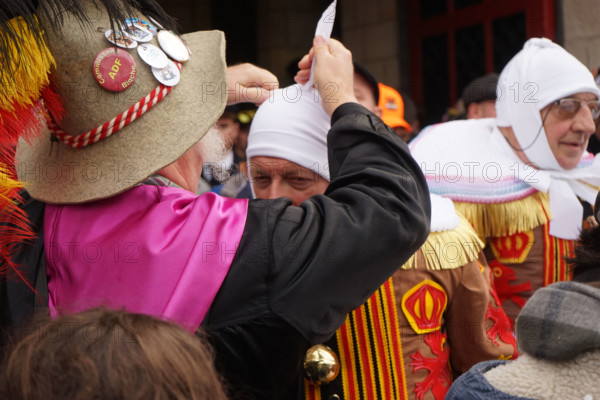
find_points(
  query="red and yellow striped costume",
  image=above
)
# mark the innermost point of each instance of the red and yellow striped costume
(434, 318)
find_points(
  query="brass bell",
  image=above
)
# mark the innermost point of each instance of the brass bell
(321, 364)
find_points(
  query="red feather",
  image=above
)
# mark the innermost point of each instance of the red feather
(29, 123)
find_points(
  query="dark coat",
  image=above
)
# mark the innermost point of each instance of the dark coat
(299, 270)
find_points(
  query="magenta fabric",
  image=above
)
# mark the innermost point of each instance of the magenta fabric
(155, 250)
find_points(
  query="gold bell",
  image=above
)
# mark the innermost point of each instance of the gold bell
(321, 364)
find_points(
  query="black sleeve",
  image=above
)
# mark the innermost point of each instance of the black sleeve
(311, 265)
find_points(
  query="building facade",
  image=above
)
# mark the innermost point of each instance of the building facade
(428, 49)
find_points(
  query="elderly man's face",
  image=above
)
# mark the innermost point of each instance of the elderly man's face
(272, 178)
(568, 133)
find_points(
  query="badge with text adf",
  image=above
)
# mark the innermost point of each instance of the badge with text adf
(114, 69)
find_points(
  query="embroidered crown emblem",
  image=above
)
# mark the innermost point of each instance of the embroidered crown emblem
(424, 306)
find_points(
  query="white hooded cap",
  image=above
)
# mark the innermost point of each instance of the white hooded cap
(542, 72)
(292, 125)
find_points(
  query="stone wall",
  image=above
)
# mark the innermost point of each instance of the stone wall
(375, 32)
(285, 34)
(581, 29)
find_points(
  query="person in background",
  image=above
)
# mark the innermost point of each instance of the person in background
(366, 88)
(558, 336)
(454, 112)
(214, 174)
(392, 111)
(479, 97)
(108, 354)
(594, 143)
(412, 113)
(236, 183)
(245, 115)
(519, 178)
(419, 348)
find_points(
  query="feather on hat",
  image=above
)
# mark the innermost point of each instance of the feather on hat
(110, 141)
(29, 30)
(25, 63)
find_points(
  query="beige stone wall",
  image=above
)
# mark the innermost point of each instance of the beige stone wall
(371, 30)
(285, 34)
(581, 22)
(375, 31)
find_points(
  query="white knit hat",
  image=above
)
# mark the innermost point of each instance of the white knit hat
(292, 125)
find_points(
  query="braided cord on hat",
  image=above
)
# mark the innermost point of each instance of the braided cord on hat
(114, 125)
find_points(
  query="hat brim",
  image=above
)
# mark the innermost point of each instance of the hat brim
(56, 173)
(397, 122)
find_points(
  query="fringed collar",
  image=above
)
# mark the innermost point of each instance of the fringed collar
(470, 162)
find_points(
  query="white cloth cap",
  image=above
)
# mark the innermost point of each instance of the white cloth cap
(542, 72)
(292, 125)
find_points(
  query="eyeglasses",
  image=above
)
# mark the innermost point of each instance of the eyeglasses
(568, 107)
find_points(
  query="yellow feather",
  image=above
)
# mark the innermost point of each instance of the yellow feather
(30, 66)
(8, 186)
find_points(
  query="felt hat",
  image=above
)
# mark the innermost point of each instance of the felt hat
(108, 141)
(392, 107)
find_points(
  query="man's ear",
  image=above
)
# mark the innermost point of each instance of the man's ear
(473, 111)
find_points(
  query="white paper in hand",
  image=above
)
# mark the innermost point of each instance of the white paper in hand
(324, 28)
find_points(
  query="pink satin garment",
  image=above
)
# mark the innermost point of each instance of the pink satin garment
(155, 250)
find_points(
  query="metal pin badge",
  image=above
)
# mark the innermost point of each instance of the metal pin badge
(137, 33)
(152, 55)
(120, 39)
(173, 45)
(168, 76)
(155, 22)
(114, 69)
(142, 24)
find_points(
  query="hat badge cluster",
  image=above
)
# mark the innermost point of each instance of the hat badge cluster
(115, 69)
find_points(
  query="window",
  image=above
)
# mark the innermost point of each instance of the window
(452, 42)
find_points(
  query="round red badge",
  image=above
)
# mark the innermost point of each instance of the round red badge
(114, 69)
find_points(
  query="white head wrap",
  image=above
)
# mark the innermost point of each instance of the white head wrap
(292, 125)
(539, 74)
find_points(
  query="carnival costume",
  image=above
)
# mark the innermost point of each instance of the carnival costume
(437, 316)
(246, 272)
(527, 216)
